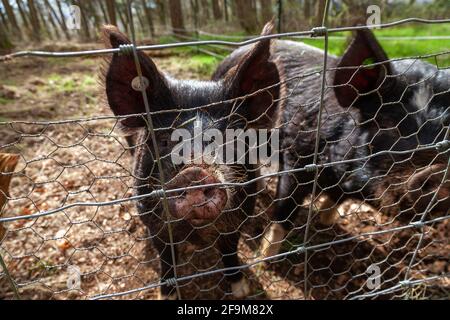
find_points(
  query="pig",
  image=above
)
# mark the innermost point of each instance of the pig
(204, 216)
(386, 105)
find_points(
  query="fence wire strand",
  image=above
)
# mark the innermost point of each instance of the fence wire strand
(313, 33)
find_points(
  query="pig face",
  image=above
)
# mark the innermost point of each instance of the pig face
(184, 104)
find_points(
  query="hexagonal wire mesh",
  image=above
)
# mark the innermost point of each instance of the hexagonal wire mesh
(73, 230)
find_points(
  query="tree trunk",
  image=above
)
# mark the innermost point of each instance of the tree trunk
(123, 17)
(111, 8)
(26, 22)
(233, 7)
(62, 20)
(246, 15)
(5, 43)
(307, 9)
(194, 10)
(266, 10)
(36, 34)
(103, 10)
(22, 13)
(12, 18)
(91, 7)
(319, 13)
(86, 34)
(225, 9)
(4, 22)
(140, 18)
(148, 15)
(176, 17)
(217, 13)
(59, 20)
(161, 11)
(195, 5)
(47, 13)
(44, 25)
(205, 11)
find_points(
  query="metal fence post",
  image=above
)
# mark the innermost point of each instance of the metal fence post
(155, 146)
(321, 31)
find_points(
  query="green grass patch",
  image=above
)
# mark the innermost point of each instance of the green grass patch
(416, 30)
(8, 82)
(88, 81)
(193, 65)
(194, 50)
(399, 48)
(203, 64)
(71, 83)
(5, 101)
(336, 46)
(171, 39)
(43, 266)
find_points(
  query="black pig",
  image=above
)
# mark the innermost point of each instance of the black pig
(398, 106)
(203, 216)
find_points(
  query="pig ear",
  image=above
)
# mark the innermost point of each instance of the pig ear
(119, 73)
(256, 71)
(364, 49)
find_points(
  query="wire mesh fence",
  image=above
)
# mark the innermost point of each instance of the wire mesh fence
(356, 206)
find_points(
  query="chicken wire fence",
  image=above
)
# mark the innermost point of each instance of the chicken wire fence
(71, 230)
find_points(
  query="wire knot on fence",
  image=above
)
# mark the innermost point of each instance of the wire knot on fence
(443, 146)
(319, 32)
(127, 49)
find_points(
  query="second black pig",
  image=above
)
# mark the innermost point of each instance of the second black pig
(373, 105)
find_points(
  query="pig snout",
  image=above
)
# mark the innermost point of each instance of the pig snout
(198, 205)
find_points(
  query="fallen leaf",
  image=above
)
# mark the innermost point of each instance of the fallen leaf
(8, 163)
(62, 243)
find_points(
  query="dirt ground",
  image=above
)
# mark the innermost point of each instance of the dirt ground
(85, 161)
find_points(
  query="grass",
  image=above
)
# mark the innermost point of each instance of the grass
(69, 84)
(203, 64)
(5, 101)
(394, 48)
(399, 48)
(45, 267)
(194, 60)
(8, 82)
